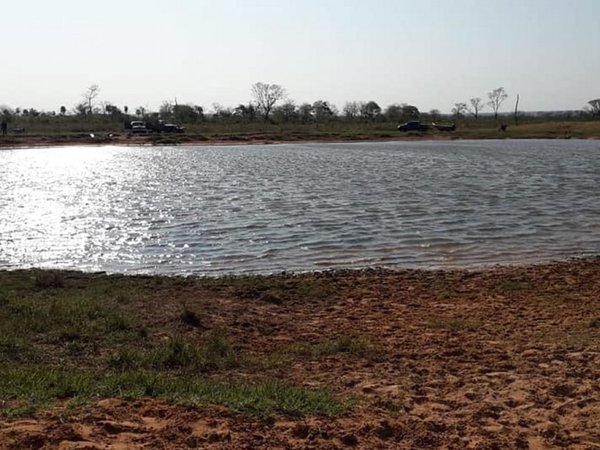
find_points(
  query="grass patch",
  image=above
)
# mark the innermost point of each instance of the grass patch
(594, 323)
(454, 324)
(272, 289)
(214, 352)
(70, 338)
(57, 316)
(51, 316)
(346, 344)
(49, 279)
(582, 334)
(26, 390)
(515, 285)
(190, 317)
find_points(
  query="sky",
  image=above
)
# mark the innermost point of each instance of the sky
(429, 53)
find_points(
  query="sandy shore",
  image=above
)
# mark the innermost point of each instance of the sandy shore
(502, 358)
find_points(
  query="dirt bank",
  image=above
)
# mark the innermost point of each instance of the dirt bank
(502, 358)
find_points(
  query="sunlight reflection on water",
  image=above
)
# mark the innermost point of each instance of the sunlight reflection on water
(260, 209)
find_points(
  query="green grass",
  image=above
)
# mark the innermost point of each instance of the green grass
(215, 352)
(515, 285)
(24, 391)
(454, 324)
(68, 338)
(345, 344)
(57, 316)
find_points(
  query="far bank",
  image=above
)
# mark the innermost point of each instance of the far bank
(270, 134)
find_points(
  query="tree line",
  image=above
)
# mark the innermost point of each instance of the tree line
(270, 103)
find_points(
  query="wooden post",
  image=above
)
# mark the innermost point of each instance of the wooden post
(517, 111)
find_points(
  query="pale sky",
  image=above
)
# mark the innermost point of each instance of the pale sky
(430, 53)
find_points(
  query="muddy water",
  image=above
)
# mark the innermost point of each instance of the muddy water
(260, 209)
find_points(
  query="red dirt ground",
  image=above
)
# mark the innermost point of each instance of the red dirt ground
(504, 358)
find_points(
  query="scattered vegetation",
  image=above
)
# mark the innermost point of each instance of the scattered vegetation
(214, 352)
(515, 285)
(27, 390)
(273, 289)
(594, 323)
(272, 116)
(190, 317)
(454, 324)
(346, 344)
(79, 337)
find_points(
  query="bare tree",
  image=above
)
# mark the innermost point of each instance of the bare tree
(459, 109)
(266, 95)
(351, 110)
(595, 107)
(497, 97)
(89, 95)
(476, 106)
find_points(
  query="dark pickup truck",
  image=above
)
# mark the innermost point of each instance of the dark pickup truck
(413, 126)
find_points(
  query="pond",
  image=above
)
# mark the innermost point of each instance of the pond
(296, 207)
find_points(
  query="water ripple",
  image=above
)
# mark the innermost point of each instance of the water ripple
(260, 209)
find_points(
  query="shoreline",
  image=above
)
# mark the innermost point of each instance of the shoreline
(504, 357)
(335, 271)
(83, 139)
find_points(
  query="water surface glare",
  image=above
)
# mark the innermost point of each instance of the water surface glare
(261, 209)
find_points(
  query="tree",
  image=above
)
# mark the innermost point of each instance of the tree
(351, 110)
(185, 114)
(459, 109)
(200, 112)
(81, 109)
(63, 110)
(89, 95)
(286, 112)
(323, 111)
(305, 112)
(221, 112)
(394, 112)
(434, 114)
(245, 112)
(595, 107)
(370, 110)
(111, 109)
(476, 106)
(166, 109)
(410, 112)
(497, 97)
(266, 95)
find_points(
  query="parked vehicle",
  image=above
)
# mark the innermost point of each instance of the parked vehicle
(172, 128)
(413, 126)
(443, 127)
(138, 127)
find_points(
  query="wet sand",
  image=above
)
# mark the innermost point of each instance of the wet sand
(507, 357)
